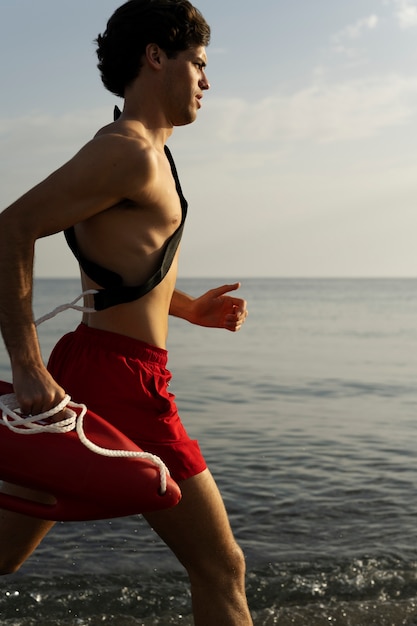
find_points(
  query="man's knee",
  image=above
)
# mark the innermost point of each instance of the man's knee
(234, 562)
(224, 566)
(9, 566)
(19, 537)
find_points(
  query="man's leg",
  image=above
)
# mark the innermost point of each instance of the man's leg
(20, 534)
(198, 532)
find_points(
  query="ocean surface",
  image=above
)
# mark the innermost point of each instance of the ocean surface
(308, 420)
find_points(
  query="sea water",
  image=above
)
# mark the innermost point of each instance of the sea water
(307, 418)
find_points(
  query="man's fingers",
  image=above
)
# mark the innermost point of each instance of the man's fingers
(220, 291)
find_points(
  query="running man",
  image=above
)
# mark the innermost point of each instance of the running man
(120, 204)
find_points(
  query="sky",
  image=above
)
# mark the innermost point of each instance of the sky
(302, 162)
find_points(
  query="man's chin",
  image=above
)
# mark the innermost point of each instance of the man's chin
(186, 119)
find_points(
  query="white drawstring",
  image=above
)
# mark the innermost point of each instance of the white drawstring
(69, 305)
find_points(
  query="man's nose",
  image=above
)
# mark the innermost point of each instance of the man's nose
(204, 83)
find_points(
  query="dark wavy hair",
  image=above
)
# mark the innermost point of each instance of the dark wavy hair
(174, 25)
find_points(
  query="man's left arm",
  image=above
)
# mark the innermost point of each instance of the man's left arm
(214, 309)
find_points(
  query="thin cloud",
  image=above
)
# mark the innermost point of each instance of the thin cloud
(356, 30)
(406, 13)
(323, 112)
(342, 40)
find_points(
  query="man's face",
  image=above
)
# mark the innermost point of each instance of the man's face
(186, 81)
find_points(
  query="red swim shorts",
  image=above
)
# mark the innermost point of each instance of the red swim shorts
(125, 381)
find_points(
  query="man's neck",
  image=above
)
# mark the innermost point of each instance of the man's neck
(149, 117)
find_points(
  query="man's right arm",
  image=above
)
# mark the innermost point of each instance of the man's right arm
(100, 175)
(35, 389)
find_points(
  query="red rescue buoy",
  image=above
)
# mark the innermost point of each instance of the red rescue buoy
(85, 485)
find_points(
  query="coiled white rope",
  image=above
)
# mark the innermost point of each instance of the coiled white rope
(34, 424)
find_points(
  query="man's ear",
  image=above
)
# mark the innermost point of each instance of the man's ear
(153, 55)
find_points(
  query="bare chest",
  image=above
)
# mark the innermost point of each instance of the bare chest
(132, 237)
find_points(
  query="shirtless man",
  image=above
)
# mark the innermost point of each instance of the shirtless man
(120, 203)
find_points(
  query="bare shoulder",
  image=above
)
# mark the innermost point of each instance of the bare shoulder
(119, 159)
(111, 167)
